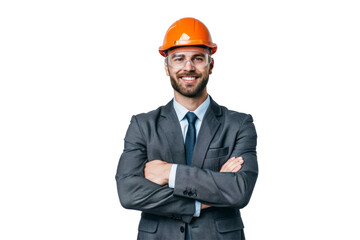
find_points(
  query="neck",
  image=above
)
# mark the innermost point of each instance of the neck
(191, 103)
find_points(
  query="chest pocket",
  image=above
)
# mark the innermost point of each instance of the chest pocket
(217, 152)
(215, 158)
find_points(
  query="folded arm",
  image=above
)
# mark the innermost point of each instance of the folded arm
(158, 171)
(223, 189)
(137, 192)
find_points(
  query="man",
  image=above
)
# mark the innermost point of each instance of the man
(191, 165)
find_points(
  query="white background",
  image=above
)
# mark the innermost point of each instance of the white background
(74, 72)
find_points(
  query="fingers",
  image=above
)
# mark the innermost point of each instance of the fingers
(235, 166)
(232, 165)
(154, 163)
(157, 171)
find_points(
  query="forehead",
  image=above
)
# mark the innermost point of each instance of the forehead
(185, 49)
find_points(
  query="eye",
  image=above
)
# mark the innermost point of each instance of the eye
(178, 59)
(199, 59)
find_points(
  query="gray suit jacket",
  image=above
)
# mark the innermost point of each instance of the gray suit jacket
(157, 135)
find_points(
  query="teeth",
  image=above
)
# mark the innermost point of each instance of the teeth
(188, 78)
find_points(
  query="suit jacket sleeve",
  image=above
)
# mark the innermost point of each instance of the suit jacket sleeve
(223, 189)
(136, 192)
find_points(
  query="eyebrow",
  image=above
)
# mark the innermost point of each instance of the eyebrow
(177, 55)
(182, 55)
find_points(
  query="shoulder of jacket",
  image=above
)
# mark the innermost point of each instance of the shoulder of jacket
(149, 116)
(235, 116)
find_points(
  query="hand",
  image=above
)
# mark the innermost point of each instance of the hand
(158, 171)
(203, 206)
(232, 165)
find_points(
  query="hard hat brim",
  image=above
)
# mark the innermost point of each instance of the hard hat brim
(186, 43)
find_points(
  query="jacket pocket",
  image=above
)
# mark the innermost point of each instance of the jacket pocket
(229, 224)
(217, 152)
(148, 225)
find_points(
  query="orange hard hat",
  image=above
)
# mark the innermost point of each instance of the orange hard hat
(187, 32)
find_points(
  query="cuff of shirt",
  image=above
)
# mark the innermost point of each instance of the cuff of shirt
(197, 208)
(172, 176)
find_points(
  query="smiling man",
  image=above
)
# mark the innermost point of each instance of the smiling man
(191, 165)
(189, 77)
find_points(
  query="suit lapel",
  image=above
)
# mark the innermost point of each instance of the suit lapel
(207, 131)
(170, 127)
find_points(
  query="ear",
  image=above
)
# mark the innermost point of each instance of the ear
(166, 69)
(211, 66)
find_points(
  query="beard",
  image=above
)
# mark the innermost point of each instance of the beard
(191, 92)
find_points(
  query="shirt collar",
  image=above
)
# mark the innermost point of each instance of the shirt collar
(199, 112)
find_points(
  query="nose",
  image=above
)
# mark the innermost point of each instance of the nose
(189, 65)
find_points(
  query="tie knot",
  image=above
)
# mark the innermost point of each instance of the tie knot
(191, 117)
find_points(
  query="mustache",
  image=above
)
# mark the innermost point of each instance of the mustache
(189, 75)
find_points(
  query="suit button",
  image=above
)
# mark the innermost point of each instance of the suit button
(182, 229)
(191, 194)
(185, 192)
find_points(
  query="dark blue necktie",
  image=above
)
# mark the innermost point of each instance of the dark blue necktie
(189, 148)
(190, 137)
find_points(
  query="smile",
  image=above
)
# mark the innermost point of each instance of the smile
(189, 79)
